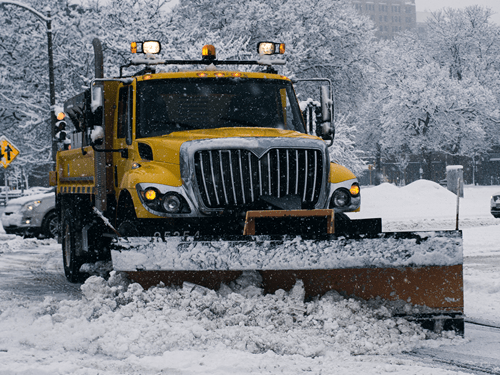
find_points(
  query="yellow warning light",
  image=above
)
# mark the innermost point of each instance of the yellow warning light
(148, 76)
(208, 52)
(236, 74)
(219, 75)
(150, 194)
(61, 116)
(354, 190)
(202, 74)
(133, 47)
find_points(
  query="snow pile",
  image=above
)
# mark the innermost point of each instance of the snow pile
(178, 254)
(10, 243)
(426, 205)
(118, 319)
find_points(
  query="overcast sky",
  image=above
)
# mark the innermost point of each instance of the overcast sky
(422, 5)
(432, 5)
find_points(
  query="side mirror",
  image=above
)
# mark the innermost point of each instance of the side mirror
(324, 125)
(326, 104)
(96, 97)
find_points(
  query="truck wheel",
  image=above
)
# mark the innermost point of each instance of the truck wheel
(72, 243)
(50, 226)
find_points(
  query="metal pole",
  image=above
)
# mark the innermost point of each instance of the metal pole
(6, 187)
(51, 88)
(458, 202)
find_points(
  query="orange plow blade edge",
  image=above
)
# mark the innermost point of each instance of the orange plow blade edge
(417, 274)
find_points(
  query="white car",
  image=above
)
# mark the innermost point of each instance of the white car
(495, 205)
(32, 215)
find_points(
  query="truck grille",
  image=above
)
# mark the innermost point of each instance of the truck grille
(236, 177)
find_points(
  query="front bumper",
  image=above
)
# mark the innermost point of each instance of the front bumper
(20, 223)
(495, 212)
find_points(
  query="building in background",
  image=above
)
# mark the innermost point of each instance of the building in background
(390, 16)
(422, 18)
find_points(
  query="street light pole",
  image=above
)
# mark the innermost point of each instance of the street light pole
(52, 88)
(52, 91)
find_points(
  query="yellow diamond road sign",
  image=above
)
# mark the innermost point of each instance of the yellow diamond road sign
(8, 151)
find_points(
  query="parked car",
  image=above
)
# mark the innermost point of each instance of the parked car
(31, 215)
(495, 205)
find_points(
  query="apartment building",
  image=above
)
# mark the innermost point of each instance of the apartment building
(390, 16)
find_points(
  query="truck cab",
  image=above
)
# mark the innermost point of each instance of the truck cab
(190, 152)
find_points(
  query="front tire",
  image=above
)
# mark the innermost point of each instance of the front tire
(72, 246)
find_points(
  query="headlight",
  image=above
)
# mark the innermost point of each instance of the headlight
(30, 206)
(158, 202)
(172, 203)
(341, 198)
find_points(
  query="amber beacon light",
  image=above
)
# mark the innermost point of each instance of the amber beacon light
(208, 52)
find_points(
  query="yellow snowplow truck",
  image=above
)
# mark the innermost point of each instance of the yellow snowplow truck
(205, 174)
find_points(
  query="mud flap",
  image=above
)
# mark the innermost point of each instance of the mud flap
(417, 274)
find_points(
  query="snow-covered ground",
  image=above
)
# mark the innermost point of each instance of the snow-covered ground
(48, 326)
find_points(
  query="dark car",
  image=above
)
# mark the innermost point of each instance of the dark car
(495, 205)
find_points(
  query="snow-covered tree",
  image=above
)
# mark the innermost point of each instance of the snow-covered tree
(437, 94)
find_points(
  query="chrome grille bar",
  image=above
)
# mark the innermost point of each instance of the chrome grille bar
(241, 177)
(287, 173)
(260, 177)
(296, 172)
(269, 172)
(305, 176)
(204, 180)
(213, 178)
(251, 175)
(222, 176)
(279, 172)
(232, 176)
(315, 175)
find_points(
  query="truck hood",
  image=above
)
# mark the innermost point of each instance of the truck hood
(166, 149)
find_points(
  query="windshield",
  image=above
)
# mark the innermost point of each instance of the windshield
(166, 106)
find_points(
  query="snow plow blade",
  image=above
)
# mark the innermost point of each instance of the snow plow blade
(417, 275)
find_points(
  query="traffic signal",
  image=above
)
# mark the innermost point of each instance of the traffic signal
(60, 130)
